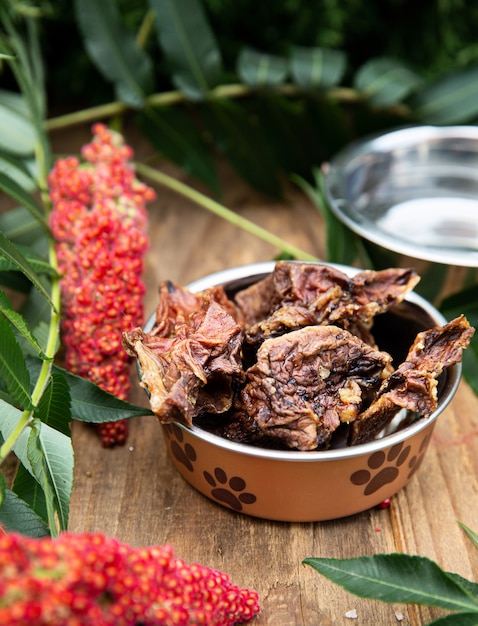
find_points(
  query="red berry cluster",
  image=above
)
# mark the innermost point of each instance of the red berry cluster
(93, 580)
(99, 221)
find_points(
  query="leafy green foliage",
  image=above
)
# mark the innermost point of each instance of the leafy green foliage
(317, 68)
(466, 302)
(189, 45)
(451, 99)
(195, 47)
(397, 578)
(404, 578)
(17, 134)
(386, 81)
(261, 70)
(50, 454)
(86, 401)
(342, 244)
(13, 370)
(174, 134)
(12, 253)
(17, 516)
(114, 49)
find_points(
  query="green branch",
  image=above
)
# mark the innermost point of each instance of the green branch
(234, 90)
(221, 211)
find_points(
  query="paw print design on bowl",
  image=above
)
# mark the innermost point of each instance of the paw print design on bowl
(232, 492)
(183, 452)
(383, 467)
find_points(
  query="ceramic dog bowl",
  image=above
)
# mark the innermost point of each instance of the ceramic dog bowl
(412, 196)
(310, 486)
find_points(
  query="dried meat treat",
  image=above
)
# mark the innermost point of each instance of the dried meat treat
(176, 304)
(307, 382)
(413, 385)
(192, 371)
(288, 284)
(295, 295)
(310, 373)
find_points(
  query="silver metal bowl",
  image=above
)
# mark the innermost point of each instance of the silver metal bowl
(412, 195)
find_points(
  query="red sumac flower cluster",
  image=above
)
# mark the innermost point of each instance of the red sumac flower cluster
(99, 221)
(93, 580)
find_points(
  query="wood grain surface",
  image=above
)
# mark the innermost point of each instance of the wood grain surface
(134, 492)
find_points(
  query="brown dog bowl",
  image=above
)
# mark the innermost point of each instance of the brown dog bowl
(317, 485)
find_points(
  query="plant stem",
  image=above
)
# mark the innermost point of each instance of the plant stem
(234, 90)
(9, 443)
(221, 211)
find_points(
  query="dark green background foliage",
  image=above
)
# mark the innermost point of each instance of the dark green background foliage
(433, 37)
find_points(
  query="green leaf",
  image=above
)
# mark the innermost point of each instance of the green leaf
(258, 69)
(50, 454)
(241, 140)
(29, 490)
(11, 417)
(287, 130)
(17, 134)
(14, 190)
(37, 313)
(466, 302)
(17, 516)
(114, 50)
(469, 585)
(90, 403)
(17, 320)
(54, 407)
(3, 486)
(456, 619)
(452, 99)
(397, 578)
(341, 243)
(13, 254)
(16, 169)
(386, 81)
(317, 68)
(471, 534)
(13, 369)
(20, 227)
(173, 134)
(39, 265)
(189, 45)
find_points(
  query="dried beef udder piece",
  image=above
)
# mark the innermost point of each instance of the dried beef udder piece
(413, 385)
(306, 383)
(192, 367)
(178, 303)
(296, 294)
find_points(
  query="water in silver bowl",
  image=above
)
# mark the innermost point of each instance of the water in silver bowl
(413, 191)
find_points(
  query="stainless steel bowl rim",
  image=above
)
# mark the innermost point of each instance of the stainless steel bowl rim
(256, 269)
(366, 228)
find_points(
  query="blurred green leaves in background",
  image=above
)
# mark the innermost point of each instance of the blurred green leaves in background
(274, 87)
